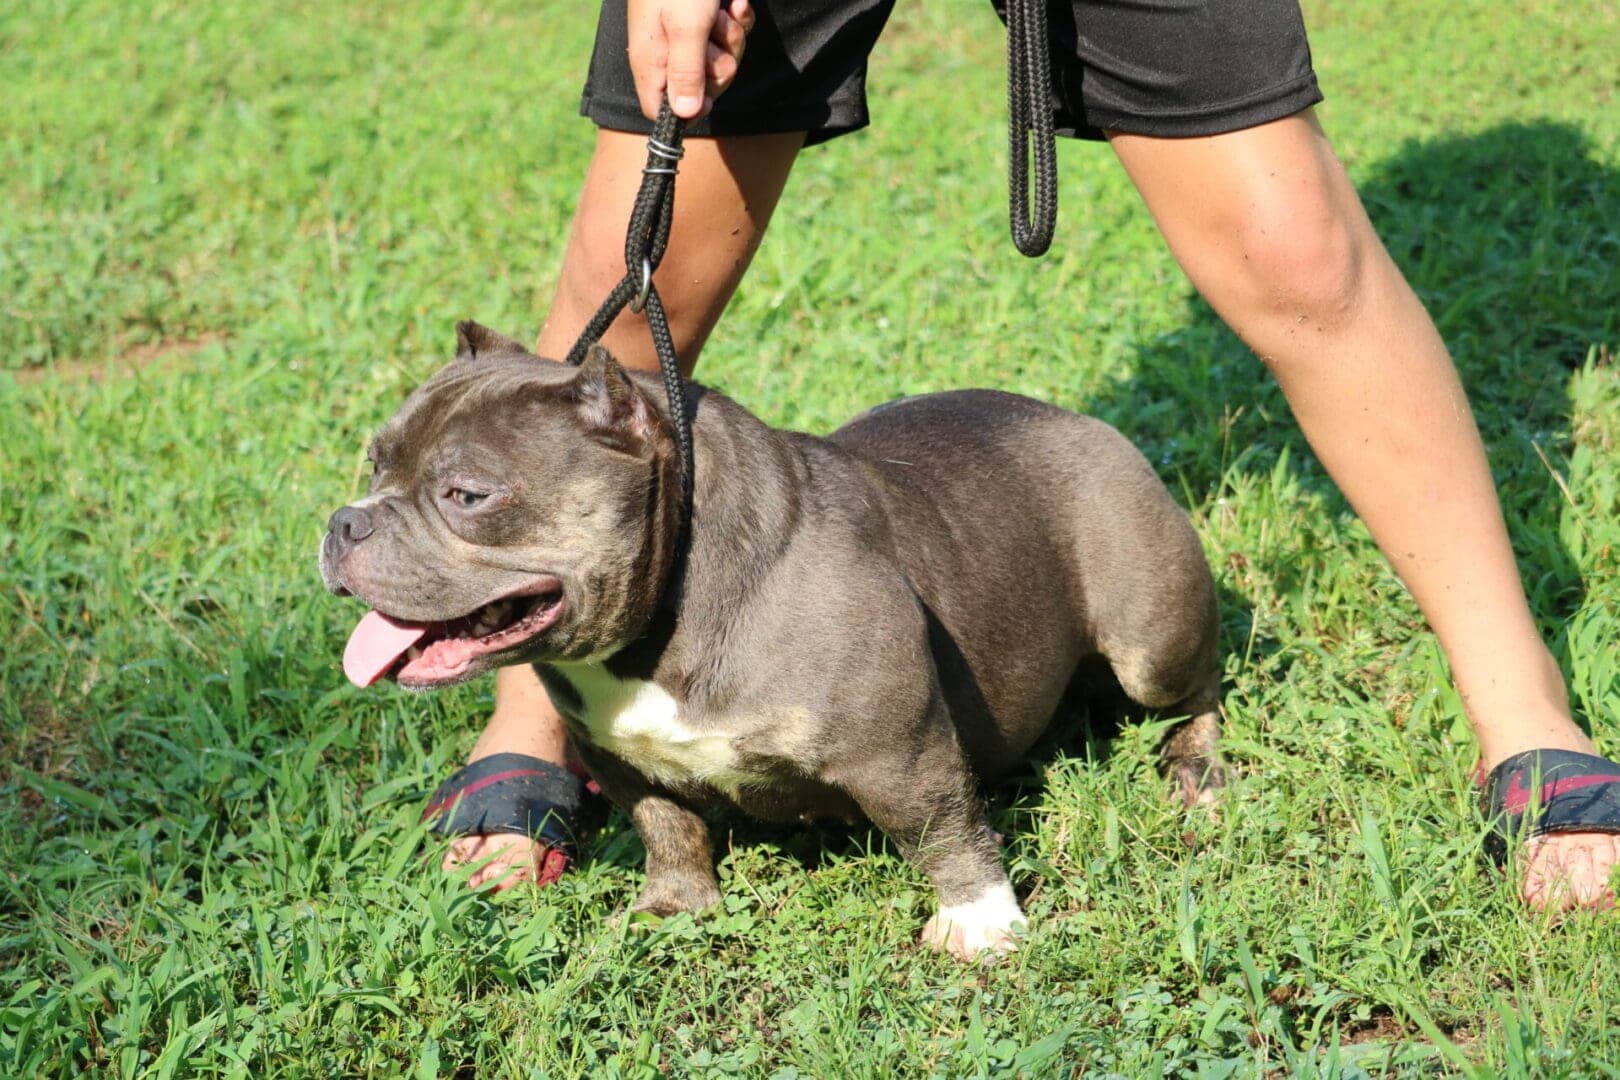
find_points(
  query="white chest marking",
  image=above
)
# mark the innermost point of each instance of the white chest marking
(641, 723)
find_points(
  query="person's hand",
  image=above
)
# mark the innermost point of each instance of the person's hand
(689, 48)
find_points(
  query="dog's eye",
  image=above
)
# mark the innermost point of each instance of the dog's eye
(467, 499)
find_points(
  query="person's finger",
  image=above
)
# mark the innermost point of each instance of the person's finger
(687, 39)
(729, 35)
(722, 70)
(742, 12)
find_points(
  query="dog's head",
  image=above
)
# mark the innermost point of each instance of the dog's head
(519, 510)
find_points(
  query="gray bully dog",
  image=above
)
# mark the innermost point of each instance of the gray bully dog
(863, 625)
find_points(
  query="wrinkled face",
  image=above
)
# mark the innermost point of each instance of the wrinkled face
(514, 515)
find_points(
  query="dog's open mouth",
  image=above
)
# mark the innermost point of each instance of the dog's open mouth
(434, 653)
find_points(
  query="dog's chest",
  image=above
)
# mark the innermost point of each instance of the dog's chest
(640, 723)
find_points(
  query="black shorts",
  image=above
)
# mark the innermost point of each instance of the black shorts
(1148, 67)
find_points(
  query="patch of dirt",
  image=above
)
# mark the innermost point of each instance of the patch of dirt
(49, 734)
(48, 741)
(1381, 1027)
(135, 359)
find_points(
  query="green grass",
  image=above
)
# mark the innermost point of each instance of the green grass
(233, 236)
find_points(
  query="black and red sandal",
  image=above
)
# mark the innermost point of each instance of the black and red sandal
(517, 794)
(1540, 792)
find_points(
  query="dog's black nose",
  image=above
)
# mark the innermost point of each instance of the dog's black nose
(348, 527)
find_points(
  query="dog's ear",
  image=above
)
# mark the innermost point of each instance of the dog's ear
(472, 340)
(613, 409)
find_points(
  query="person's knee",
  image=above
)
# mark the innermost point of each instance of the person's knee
(1302, 256)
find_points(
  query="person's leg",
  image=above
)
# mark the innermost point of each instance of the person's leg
(1268, 227)
(724, 197)
(726, 192)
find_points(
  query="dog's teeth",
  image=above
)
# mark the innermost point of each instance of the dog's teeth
(413, 652)
(492, 618)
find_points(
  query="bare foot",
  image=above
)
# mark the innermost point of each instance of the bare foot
(512, 860)
(524, 722)
(1565, 871)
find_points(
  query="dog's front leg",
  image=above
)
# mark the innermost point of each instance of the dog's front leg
(680, 864)
(925, 799)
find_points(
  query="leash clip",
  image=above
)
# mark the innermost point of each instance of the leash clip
(640, 300)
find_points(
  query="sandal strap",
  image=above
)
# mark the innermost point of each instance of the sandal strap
(1550, 791)
(509, 793)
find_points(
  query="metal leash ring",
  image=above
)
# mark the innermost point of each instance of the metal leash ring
(665, 151)
(640, 301)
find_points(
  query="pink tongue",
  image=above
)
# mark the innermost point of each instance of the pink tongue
(374, 646)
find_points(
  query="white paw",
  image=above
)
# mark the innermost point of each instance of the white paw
(987, 926)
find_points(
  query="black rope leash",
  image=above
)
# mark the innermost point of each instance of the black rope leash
(644, 245)
(1029, 127)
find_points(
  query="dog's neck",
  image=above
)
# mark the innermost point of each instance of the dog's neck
(726, 545)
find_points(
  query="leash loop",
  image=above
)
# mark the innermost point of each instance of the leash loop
(644, 244)
(1029, 128)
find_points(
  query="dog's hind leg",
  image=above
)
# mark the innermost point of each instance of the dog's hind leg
(1190, 755)
(1149, 602)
